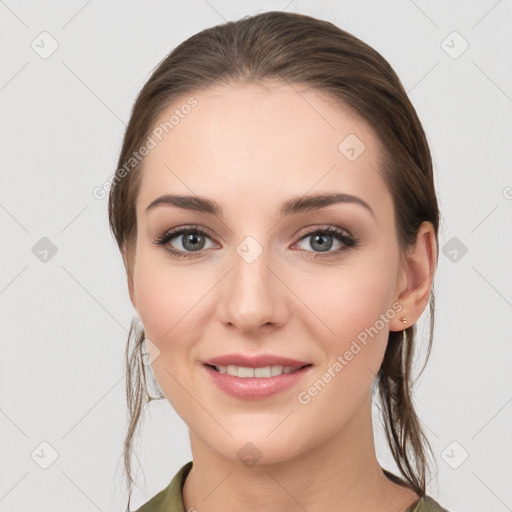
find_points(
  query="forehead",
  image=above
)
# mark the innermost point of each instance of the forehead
(260, 142)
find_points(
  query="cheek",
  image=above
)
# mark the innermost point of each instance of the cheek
(357, 314)
(169, 304)
(173, 303)
(348, 314)
(342, 302)
(160, 293)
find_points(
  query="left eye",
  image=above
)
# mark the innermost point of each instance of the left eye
(322, 240)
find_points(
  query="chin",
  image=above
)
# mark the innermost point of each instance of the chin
(255, 448)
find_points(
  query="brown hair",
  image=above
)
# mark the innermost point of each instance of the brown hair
(298, 49)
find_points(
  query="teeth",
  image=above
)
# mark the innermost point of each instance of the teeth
(266, 371)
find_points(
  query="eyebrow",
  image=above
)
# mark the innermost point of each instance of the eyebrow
(295, 205)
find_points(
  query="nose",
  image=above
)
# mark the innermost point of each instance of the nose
(253, 297)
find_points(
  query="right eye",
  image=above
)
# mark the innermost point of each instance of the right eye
(191, 239)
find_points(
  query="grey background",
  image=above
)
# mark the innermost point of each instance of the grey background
(64, 321)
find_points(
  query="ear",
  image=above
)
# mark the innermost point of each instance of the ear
(416, 278)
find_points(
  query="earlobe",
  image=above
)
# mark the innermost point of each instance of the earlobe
(417, 277)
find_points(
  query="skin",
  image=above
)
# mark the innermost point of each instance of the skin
(251, 147)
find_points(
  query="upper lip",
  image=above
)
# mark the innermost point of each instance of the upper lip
(259, 361)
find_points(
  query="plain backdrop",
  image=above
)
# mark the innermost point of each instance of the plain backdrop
(69, 74)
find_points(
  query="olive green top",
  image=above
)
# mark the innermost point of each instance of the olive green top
(170, 499)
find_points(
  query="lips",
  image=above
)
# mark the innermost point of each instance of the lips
(259, 361)
(255, 377)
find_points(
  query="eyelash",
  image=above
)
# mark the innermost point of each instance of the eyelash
(348, 241)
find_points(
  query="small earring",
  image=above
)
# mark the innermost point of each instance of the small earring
(403, 320)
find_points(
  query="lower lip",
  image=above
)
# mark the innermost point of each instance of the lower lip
(256, 388)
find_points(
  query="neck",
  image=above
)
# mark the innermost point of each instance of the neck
(341, 474)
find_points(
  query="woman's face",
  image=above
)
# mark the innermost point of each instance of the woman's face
(257, 281)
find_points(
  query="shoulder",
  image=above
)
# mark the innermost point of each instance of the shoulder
(427, 504)
(170, 498)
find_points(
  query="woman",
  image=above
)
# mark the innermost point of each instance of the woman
(275, 209)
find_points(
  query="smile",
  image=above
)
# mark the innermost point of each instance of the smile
(260, 373)
(248, 383)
